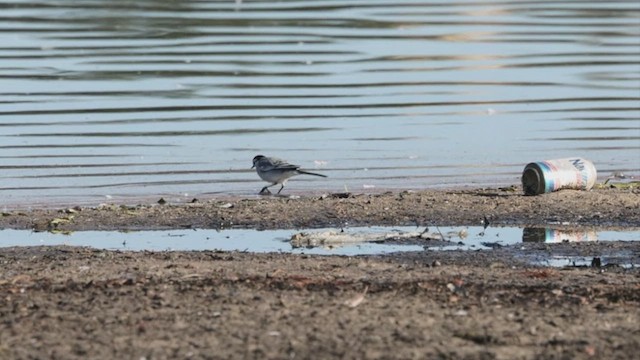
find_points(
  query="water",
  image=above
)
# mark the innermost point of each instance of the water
(150, 98)
(473, 238)
(622, 260)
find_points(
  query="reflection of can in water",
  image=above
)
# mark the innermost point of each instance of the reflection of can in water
(551, 175)
(556, 235)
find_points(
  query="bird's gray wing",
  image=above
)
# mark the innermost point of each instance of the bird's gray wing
(269, 164)
(282, 165)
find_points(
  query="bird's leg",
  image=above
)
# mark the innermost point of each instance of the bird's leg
(265, 190)
(281, 187)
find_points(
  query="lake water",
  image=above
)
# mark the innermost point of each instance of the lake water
(115, 100)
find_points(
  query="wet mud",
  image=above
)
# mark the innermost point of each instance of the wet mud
(610, 207)
(72, 302)
(60, 302)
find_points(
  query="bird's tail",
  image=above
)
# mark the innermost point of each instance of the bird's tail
(310, 173)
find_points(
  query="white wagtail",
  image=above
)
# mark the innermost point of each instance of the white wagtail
(276, 171)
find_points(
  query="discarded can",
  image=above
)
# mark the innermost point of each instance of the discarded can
(551, 175)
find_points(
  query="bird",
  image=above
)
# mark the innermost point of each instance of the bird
(277, 171)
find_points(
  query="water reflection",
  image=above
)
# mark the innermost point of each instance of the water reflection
(549, 235)
(186, 93)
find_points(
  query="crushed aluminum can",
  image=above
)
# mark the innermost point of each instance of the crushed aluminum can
(551, 175)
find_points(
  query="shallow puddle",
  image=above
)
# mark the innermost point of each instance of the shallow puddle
(350, 241)
(619, 260)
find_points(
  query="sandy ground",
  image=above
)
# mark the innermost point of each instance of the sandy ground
(609, 207)
(64, 303)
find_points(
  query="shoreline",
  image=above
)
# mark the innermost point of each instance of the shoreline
(604, 207)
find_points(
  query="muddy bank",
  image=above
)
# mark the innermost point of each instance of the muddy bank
(603, 207)
(80, 303)
(64, 302)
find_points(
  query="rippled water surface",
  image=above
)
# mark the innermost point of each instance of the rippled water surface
(120, 99)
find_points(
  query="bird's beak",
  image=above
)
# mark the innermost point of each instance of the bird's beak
(252, 166)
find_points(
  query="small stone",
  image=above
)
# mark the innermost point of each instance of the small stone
(461, 313)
